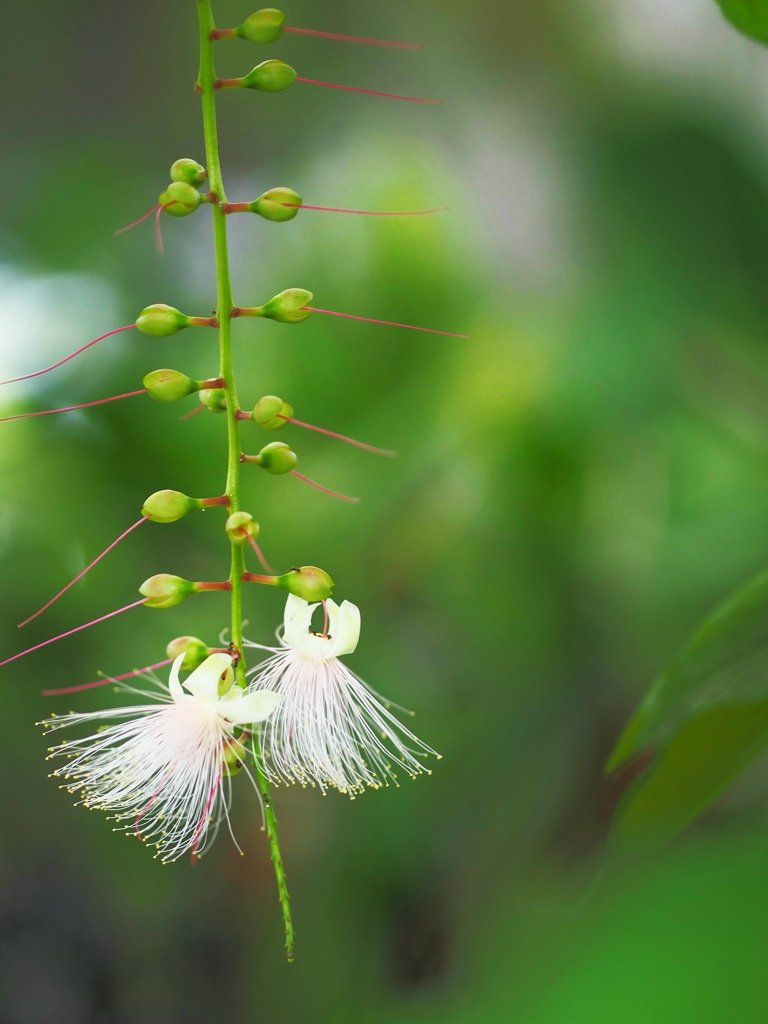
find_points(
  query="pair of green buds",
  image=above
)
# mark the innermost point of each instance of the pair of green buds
(160, 320)
(308, 582)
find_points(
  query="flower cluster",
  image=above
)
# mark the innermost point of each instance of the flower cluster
(163, 769)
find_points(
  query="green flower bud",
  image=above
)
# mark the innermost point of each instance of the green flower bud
(287, 307)
(183, 198)
(270, 204)
(262, 27)
(160, 320)
(164, 591)
(276, 458)
(309, 583)
(240, 526)
(268, 410)
(270, 76)
(214, 398)
(169, 385)
(168, 506)
(189, 171)
(195, 651)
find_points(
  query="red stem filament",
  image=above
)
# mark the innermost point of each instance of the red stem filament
(85, 570)
(108, 679)
(77, 629)
(262, 560)
(352, 39)
(71, 408)
(339, 437)
(370, 92)
(387, 323)
(325, 490)
(67, 358)
(367, 213)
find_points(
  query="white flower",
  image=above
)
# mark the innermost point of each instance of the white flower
(330, 728)
(163, 769)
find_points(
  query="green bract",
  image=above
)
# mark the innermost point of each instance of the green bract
(189, 171)
(192, 647)
(169, 385)
(180, 199)
(168, 506)
(160, 320)
(276, 458)
(270, 76)
(262, 27)
(288, 306)
(165, 591)
(271, 205)
(271, 412)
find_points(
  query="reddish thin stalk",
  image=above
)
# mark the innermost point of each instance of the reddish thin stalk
(81, 574)
(77, 629)
(137, 221)
(370, 92)
(340, 437)
(109, 679)
(325, 618)
(326, 490)
(67, 358)
(195, 411)
(367, 213)
(222, 33)
(264, 563)
(71, 408)
(387, 323)
(353, 39)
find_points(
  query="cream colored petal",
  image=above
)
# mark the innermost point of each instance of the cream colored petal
(204, 681)
(298, 615)
(174, 686)
(344, 627)
(253, 707)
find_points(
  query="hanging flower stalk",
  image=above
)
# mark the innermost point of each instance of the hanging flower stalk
(163, 768)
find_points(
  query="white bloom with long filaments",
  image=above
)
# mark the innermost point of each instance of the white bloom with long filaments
(329, 729)
(163, 770)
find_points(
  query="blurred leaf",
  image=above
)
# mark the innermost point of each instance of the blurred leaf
(705, 718)
(748, 16)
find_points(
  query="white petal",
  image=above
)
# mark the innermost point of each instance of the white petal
(204, 681)
(298, 615)
(344, 627)
(253, 707)
(174, 686)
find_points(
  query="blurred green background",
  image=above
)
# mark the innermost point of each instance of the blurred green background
(577, 485)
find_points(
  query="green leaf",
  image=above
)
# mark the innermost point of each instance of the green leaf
(704, 719)
(748, 16)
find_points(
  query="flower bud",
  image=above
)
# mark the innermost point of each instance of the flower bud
(276, 458)
(164, 591)
(189, 171)
(160, 320)
(168, 506)
(214, 398)
(195, 651)
(182, 197)
(270, 76)
(268, 412)
(169, 385)
(309, 583)
(271, 206)
(240, 526)
(262, 27)
(287, 307)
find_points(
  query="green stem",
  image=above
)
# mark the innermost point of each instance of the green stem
(224, 308)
